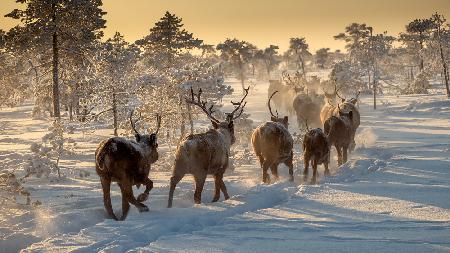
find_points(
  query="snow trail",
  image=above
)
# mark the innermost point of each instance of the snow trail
(392, 195)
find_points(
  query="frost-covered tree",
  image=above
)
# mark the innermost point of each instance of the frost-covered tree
(298, 52)
(57, 30)
(270, 58)
(117, 80)
(237, 54)
(366, 50)
(167, 41)
(47, 154)
(415, 38)
(167, 90)
(322, 56)
(441, 38)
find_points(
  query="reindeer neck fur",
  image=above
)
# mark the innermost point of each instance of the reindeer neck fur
(226, 136)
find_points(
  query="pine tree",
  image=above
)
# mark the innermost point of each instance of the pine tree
(58, 29)
(322, 57)
(270, 58)
(298, 50)
(117, 80)
(415, 38)
(169, 38)
(238, 54)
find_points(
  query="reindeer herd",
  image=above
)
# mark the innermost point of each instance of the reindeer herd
(128, 162)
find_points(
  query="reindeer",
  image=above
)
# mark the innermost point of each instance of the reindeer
(339, 131)
(307, 107)
(345, 105)
(127, 162)
(272, 144)
(316, 148)
(206, 153)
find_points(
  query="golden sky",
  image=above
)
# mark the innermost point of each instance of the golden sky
(262, 22)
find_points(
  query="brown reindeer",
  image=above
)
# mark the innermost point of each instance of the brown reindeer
(206, 153)
(346, 106)
(339, 130)
(272, 144)
(127, 162)
(316, 148)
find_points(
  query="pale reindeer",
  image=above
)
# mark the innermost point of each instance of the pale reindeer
(206, 153)
(127, 162)
(316, 149)
(272, 144)
(339, 131)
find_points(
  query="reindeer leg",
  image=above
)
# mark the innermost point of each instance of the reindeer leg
(274, 170)
(265, 176)
(173, 184)
(339, 154)
(148, 187)
(223, 188)
(314, 166)
(344, 151)
(305, 170)
(327, 171)
(217, 187)
(125, 206)
(127, 191)
(106, 186)
(290, 165)
(199, 183)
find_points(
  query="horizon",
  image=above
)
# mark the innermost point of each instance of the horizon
(261, 24)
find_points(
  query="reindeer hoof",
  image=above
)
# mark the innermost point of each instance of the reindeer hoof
(143, 208)
(142, 197)
(215, 200)
(291, 179)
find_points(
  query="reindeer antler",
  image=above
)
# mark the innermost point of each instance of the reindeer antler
(133, 124)
(158, 123)
(238, 106)
(268, 104)
(337, 93)
(202, 104)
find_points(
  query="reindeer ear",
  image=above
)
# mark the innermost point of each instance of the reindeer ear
(138, 137)
(286, 119)
(343, 100)
(153, 140)
(215, 125)
(341, 113)
(273, 118)
(350, 114)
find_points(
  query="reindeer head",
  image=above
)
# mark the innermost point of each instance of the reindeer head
(348, 115)
(149, 141)
(275, 118)
(227, 126)
(355, 99)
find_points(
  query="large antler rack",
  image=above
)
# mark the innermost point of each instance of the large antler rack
(158, 123)
(336, 91)
(133, 124)
(268, 104)
(238, 107)
(196, 100)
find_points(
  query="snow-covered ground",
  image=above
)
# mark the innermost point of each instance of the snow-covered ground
(392, 196)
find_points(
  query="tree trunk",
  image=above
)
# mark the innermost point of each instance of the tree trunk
(71, 109)
(303, 67)
(374, 89)
(191, 121)
(114, 109)
(56, 112)
(444, 67)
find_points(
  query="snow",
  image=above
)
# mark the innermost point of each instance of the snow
(391, 196)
